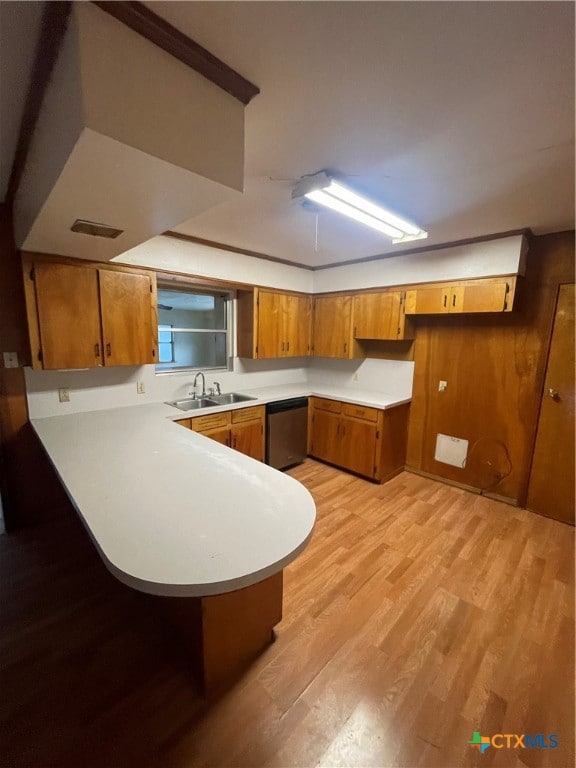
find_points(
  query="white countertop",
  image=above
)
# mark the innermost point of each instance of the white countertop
(175, 513)
(171, 511)
(355, 396)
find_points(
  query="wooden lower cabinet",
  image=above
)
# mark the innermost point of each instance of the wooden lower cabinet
(358, 445)
(363, 440)
(220, 435)
(248, 438)
(241, 429)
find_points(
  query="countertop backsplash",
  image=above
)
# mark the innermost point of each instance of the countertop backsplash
(100, 388)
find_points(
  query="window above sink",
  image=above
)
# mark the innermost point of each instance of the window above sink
(194, 328)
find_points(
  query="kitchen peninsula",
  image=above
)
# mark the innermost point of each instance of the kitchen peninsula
(179, 516)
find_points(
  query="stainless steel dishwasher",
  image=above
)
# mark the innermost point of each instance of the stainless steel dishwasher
(286, 432)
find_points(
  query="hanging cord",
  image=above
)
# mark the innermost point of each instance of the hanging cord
(489, 462)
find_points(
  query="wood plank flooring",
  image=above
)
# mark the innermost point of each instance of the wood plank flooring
(418, 614)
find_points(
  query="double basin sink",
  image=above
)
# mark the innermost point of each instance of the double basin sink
(193, 404)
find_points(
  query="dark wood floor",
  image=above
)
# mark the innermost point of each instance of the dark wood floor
(418, 614)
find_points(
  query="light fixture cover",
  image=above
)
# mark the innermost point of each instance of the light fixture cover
(325, 190)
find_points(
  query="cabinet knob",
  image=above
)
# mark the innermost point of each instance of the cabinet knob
(554, 394)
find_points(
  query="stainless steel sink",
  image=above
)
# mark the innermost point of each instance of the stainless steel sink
(230, 398)
(191, 404)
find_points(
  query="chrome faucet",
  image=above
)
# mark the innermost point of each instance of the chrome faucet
(193, 393)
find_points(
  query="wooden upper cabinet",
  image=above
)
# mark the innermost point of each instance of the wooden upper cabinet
(68, 316)
(298, 325)
(468, 296)
(84, 315)
(273, 324)
(269, 324)
(127, 330)
(332, 334)
(380, 316)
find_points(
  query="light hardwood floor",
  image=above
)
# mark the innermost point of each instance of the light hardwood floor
(418, 614)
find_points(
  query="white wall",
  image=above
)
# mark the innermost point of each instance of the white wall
(390, 377)
(171, 255)
(504, 256)
(98, 388)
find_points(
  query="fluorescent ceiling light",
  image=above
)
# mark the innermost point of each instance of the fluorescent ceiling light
(322, 189)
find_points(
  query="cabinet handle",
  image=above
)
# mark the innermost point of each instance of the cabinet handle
(345, 346)
(287, 346)
(108, 349)
(445, 298)
(97, 350)
(282, 346)
(453, 299)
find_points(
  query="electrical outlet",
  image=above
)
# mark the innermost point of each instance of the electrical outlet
(64, 395)
(10, 359)
(140, 387)
(442, 386)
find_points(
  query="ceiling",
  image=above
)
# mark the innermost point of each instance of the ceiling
(459, 116)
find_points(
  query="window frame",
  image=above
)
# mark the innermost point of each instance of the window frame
(188, 287)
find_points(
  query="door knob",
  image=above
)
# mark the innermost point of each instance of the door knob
(554, 394)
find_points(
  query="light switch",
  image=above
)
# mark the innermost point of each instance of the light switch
(442, 386)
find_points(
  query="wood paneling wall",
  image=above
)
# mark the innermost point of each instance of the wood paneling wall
(494, 366)
(30, 490)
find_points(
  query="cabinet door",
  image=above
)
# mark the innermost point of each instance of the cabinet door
(377, 315)
(433, 300)
(219, 435)
(248, 438)
(68, 316)
(488, 297)
(332, 331)
(297, 324)
(326, 436)
(358, 447)
(270, 321)
(127, 330)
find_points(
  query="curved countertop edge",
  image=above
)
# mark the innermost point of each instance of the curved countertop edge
(182, 590)
(164, 589)
(200, 590)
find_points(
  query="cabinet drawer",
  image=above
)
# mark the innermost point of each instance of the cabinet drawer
(183, 423)
(212, 421)
(248, 414)
(334, 406)
(360, 412)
